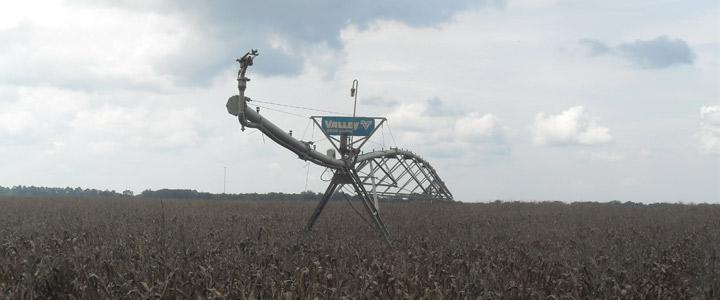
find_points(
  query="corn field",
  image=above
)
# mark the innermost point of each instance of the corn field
(146, 249)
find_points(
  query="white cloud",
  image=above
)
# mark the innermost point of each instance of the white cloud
(112, 128)
(532, 4)
(477, 127)
(52, 120)
(426, 128)
(608, 156)
(571, 127)
(38, 113)
(90, 47)
(14, 122)
(417, 117)
(710, 129)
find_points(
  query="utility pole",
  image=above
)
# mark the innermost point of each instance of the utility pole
(224, 178)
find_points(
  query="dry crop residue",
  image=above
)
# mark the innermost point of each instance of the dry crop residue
(136, 248)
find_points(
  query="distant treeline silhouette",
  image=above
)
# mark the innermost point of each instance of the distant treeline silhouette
(39, 191)
(303, 196)
(69, 192)
(193, 194)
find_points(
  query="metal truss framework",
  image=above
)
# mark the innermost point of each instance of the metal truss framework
(397, 174)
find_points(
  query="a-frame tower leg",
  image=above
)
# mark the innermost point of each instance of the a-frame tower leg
(349, 176)
(329, 192)
(369, 205)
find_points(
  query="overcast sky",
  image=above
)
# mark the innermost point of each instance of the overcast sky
(514, 100)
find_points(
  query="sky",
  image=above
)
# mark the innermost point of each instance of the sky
(528, 100)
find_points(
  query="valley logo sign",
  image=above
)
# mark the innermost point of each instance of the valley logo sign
(348, 126)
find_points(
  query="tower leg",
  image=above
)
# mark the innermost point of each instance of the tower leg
(369, 205)
(329, 192)
(350, 176)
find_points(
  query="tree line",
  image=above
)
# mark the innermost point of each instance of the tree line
(193, 194)
(77, 192)
(40, 191)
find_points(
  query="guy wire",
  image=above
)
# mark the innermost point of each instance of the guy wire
(282, 111)
(391, 134)
(300, 107)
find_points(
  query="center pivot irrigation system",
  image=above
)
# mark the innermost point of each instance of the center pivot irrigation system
(386, 174)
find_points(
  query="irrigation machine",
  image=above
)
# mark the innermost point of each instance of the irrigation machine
(391, 173)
